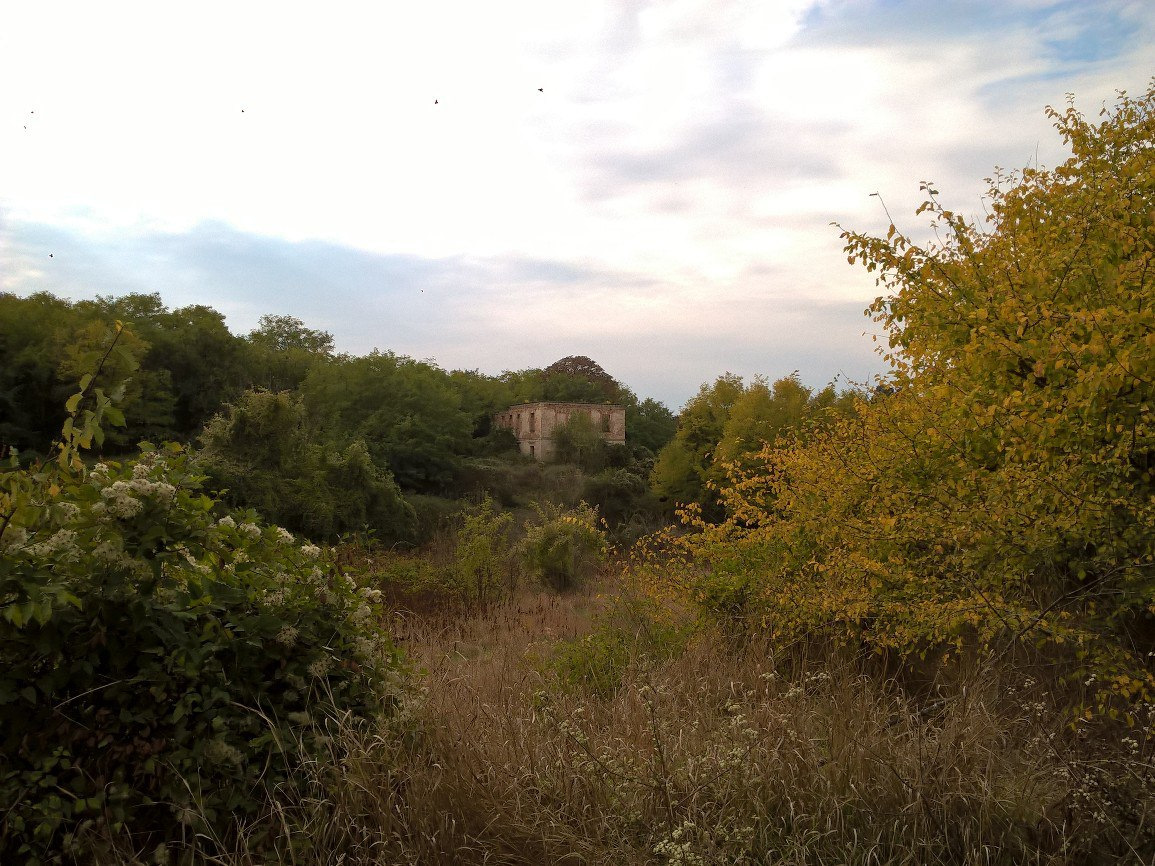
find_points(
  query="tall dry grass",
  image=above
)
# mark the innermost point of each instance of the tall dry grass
(721, 754)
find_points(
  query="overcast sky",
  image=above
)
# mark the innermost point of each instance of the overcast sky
(497, 185)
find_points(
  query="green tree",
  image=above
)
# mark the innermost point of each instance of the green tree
(407, 412)
(284, 351)
(34, 332)
(580, 441)
(578, 379)
(649, 424)
(681, 472)
(263, 452)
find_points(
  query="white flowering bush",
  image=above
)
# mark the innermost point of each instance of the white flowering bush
(163, 666)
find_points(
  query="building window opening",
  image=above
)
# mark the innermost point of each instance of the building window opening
(532, 422)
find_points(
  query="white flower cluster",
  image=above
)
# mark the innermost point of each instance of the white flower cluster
(310, 550)
(125, 499)
(287, 636)
(251, 530)
(193, 562)
(119, 501)
(283, 534)
(227, 522)
(62, 544)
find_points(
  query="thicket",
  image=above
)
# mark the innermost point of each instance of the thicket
(725, 425)
(374, 424)
(165, 664)
(998, 495)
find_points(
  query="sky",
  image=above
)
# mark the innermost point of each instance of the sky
(494, 186)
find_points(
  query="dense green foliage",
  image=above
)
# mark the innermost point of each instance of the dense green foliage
(564, 547)
(726, 423)
(263, 453)
(164, 666)
(368, 425)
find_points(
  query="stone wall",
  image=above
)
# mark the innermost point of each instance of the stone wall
(533, 424)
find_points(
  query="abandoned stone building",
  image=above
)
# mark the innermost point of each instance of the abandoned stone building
(534, 423)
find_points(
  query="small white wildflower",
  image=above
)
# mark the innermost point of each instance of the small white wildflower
(310, 550)
(283, 534)
(251, 530)
(287, 635)
(228, 522)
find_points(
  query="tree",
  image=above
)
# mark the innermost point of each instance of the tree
(579, 441)
(1002, 492)
(263, 452)
(680, 473)
(284, 351)
(165, 667)
(407, 413)
(578, 379)
(649, 424)
(33, 334)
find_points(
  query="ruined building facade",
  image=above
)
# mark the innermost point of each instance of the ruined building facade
(534, 423)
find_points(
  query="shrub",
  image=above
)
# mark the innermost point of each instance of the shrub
(564, 546)
(163, 666)
(264, 455)
(1000, 492)
(484, 567)
(632, 632)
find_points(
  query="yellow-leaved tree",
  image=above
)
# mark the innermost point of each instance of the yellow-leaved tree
(1001, 491)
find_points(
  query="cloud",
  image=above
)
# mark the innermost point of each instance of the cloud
(662, 205)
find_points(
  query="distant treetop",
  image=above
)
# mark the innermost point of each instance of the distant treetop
(580, 368)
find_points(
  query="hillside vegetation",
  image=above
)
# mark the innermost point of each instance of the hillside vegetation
(913, 625)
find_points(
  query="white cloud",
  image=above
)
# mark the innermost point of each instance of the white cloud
(675, 178)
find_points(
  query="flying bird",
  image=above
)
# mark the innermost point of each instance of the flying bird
(541, 90)
(435, 102)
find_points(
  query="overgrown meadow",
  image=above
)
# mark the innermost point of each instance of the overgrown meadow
(337, 618)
